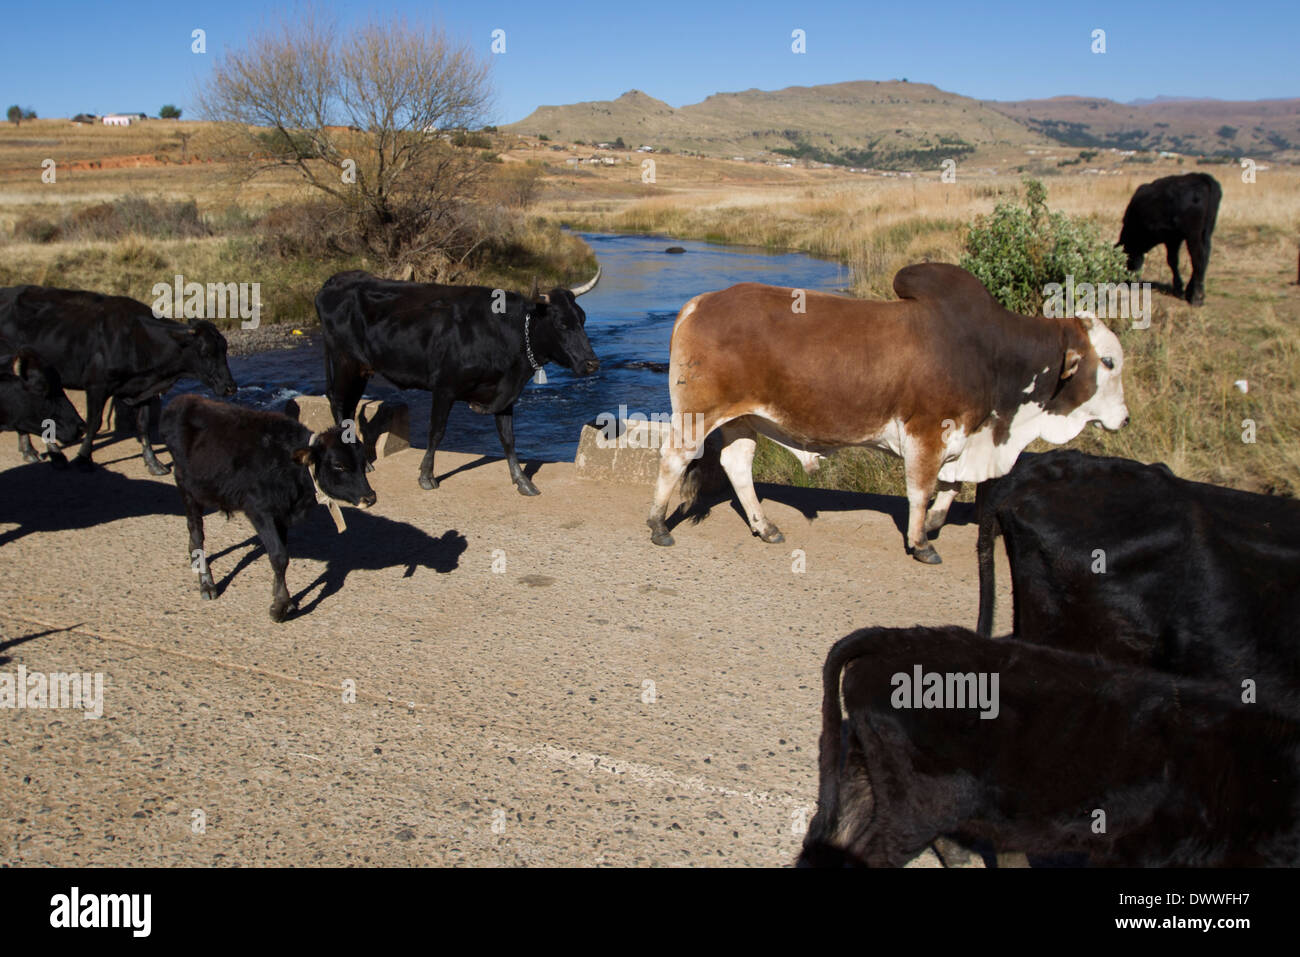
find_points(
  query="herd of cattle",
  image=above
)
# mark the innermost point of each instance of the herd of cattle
(1148, 700)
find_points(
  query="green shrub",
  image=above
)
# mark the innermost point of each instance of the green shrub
(474, 140)
(1018, 249)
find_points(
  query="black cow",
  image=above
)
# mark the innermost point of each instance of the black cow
(261, 463)
(32, 398)
(1124, 560)
(1174, 210)
(1085, 761)
(111, 346)
(463, 343)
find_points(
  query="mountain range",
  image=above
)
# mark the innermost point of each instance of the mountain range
(895, 124)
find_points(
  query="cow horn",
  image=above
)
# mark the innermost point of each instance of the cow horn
(587, 287)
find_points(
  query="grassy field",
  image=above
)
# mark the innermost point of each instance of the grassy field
(1180, 372)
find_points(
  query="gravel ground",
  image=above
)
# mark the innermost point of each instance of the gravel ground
(501, 717)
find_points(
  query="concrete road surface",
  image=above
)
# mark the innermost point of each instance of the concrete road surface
(535, 683)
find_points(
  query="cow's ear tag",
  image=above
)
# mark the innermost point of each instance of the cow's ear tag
(540, 378)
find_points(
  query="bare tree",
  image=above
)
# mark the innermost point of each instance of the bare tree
(360, 118)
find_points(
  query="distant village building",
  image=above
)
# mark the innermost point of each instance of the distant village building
(120, 119)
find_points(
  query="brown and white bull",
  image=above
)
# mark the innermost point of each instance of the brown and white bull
(944, 377)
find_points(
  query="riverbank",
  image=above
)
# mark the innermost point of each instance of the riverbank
(282, 335)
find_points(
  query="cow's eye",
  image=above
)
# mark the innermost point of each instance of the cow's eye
(1108, 362)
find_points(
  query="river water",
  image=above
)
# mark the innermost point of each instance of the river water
(630, 317)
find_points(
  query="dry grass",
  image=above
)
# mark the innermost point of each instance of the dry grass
(97, 165)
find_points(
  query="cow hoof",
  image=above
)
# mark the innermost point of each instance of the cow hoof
(208, 592)
(31, 458)
(157, 468)
(83, 464)
(659, 533)
(56, 459)
(281, 612)
(428, 483)
(927, 555)
(772, 535)
(370, 466)
(527, 488)
(934, 523)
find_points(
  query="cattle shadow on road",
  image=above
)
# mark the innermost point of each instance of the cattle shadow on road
(7, 643)
(371, 542)
(811, 502)
(530, 469)
(41, 498)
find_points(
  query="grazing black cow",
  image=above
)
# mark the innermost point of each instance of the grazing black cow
(32, 398)
(111, 346)
(1085, 760)
(261, 463)
(463, 343)
(1127, 561)
(1174, 210)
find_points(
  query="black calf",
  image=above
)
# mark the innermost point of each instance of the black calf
(261, 463)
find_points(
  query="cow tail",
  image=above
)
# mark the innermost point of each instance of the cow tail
(692, 485)
(988, 533)
(829, 753)
(704, 474)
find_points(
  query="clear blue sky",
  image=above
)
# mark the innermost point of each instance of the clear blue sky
(100, 56)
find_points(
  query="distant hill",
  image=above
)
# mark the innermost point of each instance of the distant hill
(887, 124)
(1255, 128)
(900, 125)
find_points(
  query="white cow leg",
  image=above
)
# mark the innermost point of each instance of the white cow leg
(684, 445)
(938, 514)
(673, 460)
(738, 444)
